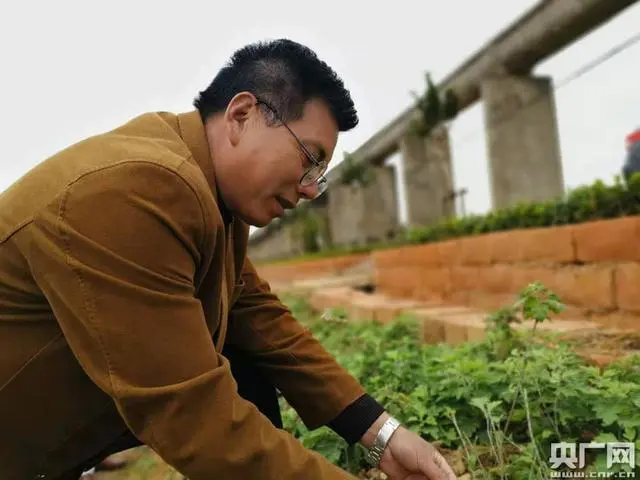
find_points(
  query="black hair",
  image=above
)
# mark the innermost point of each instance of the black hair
(286, 75)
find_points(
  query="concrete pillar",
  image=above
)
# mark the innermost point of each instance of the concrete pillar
(279, 243)
(380, 205)
(428, 176)
(309, 228)
(358, 215)
(522, 140)
(345, 211)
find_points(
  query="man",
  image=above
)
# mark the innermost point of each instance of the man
(130, 313)
(632, 162)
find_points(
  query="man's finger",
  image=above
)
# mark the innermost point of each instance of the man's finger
(443, 466)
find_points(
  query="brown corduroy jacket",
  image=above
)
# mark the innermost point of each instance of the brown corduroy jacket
(120, 281)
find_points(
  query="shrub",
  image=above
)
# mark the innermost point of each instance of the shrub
(583, 204)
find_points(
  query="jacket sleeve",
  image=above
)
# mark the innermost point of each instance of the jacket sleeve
(116, 260)
(320, 390)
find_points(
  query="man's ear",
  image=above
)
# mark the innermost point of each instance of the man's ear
(237, 115)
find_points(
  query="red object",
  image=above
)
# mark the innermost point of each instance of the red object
(632, 138)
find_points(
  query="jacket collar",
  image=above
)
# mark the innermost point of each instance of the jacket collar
(193, 134)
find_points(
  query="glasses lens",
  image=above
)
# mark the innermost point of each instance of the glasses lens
(316, 180)
(312, 176)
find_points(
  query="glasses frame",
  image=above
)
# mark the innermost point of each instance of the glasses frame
(307, 178)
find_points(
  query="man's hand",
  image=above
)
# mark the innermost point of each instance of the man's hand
(409, 457)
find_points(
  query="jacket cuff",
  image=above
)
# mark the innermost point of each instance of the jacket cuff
(355, 420)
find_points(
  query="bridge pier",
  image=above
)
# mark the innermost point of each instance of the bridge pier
(428, 176)
(522, 139)
(281, 242)
(361, 214)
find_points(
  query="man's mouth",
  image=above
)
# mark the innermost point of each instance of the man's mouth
(286, 204)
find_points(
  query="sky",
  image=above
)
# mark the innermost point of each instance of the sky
(71, 69)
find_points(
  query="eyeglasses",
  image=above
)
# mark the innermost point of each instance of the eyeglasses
(315, 173)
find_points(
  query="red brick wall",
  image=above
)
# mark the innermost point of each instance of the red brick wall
(296, 270)
(593, 267)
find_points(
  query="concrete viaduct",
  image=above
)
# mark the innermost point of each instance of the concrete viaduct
(521, 130)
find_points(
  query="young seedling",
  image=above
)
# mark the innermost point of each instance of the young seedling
(535, 302)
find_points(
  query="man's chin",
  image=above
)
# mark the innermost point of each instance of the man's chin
(258, 223)
(255, 221)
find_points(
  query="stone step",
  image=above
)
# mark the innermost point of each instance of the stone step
(309, 285)
(440, 323)
(455, 325)
(361, 306)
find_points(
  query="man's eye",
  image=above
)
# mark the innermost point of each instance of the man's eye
(306, 161)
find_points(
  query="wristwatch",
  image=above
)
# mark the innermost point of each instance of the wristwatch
(374, 454)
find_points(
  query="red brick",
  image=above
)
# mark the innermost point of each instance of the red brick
(432, 330)
(620, 320)
(363, 307)
(433, 283)
(608, 240)
(565, 327)
(339, 264)
(448, 251)
(447, 323)
(627, 286)
(386, 314)
(460, 297)
(477, 330)
(384, 278)
(522, 276)
(600, 360)
(296, 270)
(505, 247)
(427, 255)
(553, 245)
(464, 278)
(321, 300)
(495, 279)
(474, 250)
(455, 333)
(440, 311)
(579, 287)
(586, 286)
(397, 281)
(460, 329)
(549, 245)
(387, 257)
(492, 302)
(390, 309)
(489, 302)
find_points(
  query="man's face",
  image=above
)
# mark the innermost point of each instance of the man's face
(260, 174)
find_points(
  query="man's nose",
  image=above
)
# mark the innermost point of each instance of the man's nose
(308, 192)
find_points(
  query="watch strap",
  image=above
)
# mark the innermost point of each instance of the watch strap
(374, 454)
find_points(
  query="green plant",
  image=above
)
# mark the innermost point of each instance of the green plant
(310, 228)
(501, 411)
(355, 173)
(583, 204)
(434, 107)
